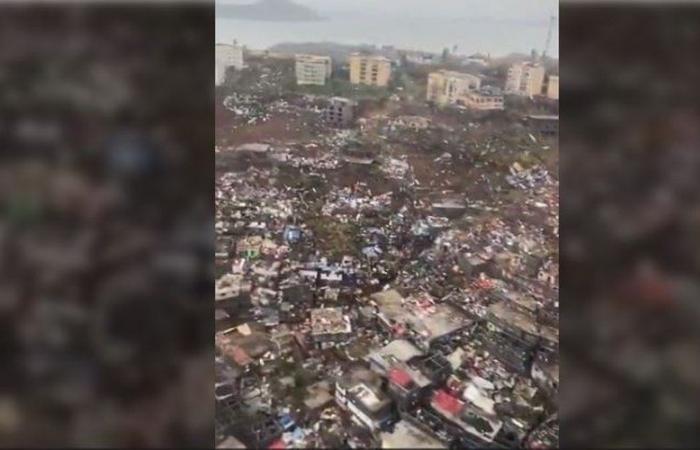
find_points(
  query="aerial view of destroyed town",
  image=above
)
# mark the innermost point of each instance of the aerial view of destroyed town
(387, 215)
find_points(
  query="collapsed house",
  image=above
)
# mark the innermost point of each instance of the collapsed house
(474, 427)
(407, 384)
(418, 317)
(515, 334)
(329, 326)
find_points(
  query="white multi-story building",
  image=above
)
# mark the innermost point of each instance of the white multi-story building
(525, 79)
(359, 392)
(312, 69)
(225, 56)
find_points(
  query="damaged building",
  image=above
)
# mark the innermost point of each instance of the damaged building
(362, 393)
(418, 318)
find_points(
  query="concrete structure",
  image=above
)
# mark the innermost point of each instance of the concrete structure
(407, 385)
(339, 112)
(545, 371)
(477, 59)
(525, 79)
(544, 124)
(418, 317)
(230, 442)
(370, 70)
(407, 435)
(478, 428)
(312, 69)
(448, 87)
(226, 56)
(485, 99)
(517, 321)
(329, 325)
(514, 333)
(359, 391)
(553, 87)
(421, 58)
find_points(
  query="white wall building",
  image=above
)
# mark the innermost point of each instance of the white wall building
(312, 69)
(225, 56)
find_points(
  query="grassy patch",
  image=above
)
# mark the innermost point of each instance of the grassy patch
(334, 238)
(341, 88)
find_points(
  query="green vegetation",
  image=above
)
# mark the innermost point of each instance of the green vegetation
(528, 159)
(341, 88)
(335, 238)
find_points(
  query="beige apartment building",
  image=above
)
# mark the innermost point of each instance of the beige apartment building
(485, 99)
(553, 87)
(371, 70)
(525, 79)
(447, 87)
(312, 69)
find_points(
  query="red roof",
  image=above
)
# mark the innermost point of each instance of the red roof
(279, 444)
(398, 329)
(445, 402)
(400, 377)
(240, 356)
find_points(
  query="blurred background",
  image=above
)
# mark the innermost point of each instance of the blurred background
(106, 268)
(106, 224)
(630, 225)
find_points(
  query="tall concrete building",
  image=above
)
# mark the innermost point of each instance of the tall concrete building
(312, 69)
(447, 87)
(226, 56)
(553, 87)
(525, 79)
(371, 70)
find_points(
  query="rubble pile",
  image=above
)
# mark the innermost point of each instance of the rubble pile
(368, 295)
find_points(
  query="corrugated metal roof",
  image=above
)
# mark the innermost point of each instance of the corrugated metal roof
(400, 377)
(447, 403)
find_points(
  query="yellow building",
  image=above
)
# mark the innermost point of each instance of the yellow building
(447, 87)
(525, 79)
(553, 87)
(371, 70)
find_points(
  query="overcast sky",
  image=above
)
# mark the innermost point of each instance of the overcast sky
(506, 9)
(530, 10)
(498, 27)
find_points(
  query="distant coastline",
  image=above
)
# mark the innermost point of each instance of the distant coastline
(268, 11)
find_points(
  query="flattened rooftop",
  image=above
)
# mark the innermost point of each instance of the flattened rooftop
(421, 313)
(400, 349)
(507, 314)
(406, 435)
(329, 321)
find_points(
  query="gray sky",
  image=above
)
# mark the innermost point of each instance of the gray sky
(528, 10)
(502, 9)
(498, 27)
